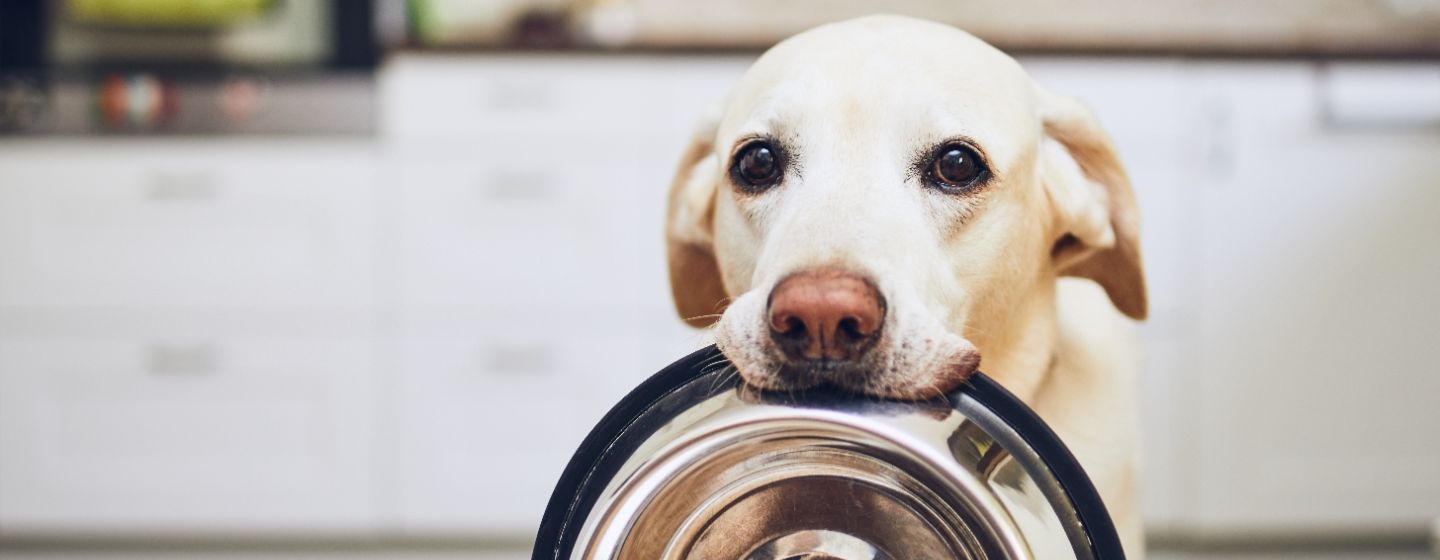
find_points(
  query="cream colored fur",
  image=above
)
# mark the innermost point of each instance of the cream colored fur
(854, 103)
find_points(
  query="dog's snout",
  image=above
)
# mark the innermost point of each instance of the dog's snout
(825, 315)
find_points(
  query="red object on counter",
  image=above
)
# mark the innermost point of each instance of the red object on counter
(135, 101)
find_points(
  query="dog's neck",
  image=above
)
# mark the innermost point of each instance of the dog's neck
(1018, 347)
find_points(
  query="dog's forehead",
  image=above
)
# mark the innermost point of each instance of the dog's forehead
(912, 75)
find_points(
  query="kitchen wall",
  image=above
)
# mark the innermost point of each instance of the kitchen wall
(402, 336)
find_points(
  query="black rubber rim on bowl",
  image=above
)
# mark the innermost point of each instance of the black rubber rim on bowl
(603, 452)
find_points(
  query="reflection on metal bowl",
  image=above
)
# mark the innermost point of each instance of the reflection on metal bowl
(694, 464)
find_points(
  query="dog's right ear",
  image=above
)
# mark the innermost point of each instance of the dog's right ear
(695, 280)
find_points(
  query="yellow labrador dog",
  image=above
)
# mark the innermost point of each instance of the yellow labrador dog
(884, 201)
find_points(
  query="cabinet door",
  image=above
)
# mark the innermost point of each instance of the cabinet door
(1319, 399)
(515, 226)
(177, 433)
(494, 405)
(169, 224)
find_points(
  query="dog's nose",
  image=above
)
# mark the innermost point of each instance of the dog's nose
(825, 315)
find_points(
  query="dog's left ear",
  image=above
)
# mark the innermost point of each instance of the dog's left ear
(1098, 222)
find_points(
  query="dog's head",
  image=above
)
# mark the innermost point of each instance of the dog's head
(877, 200)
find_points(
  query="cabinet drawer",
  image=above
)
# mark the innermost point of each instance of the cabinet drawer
(158, 224)
(238, 434)
(495, 405)
(532, 230)
(551, 96)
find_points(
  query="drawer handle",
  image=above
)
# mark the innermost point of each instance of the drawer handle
(506, 97)
(1380, 97)
(521, 359)
(519, 185)
(167, 358)
(181, 186)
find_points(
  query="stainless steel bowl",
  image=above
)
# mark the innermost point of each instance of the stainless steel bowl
(694, 464)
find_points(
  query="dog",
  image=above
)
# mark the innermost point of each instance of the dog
(882, 202)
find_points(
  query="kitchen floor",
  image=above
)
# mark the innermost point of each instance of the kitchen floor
(1284, 555)
(476, 554)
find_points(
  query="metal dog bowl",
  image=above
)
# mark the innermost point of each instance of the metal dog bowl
(695, 465)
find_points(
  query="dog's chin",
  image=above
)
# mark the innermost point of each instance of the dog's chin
(882, 376)
(842, 376)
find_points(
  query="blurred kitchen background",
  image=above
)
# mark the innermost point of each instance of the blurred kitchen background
(335, 279)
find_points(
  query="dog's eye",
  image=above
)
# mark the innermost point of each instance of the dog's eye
(956, 168)
(757, 166)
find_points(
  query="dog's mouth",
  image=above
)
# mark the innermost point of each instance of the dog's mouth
(914, 358)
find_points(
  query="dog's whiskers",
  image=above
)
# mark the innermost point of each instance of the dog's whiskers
(934, 387)
(722, 376)
(712, 363)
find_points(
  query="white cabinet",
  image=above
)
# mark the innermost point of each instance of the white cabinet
(413, 334)
(168, 223)
(1318, 403)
